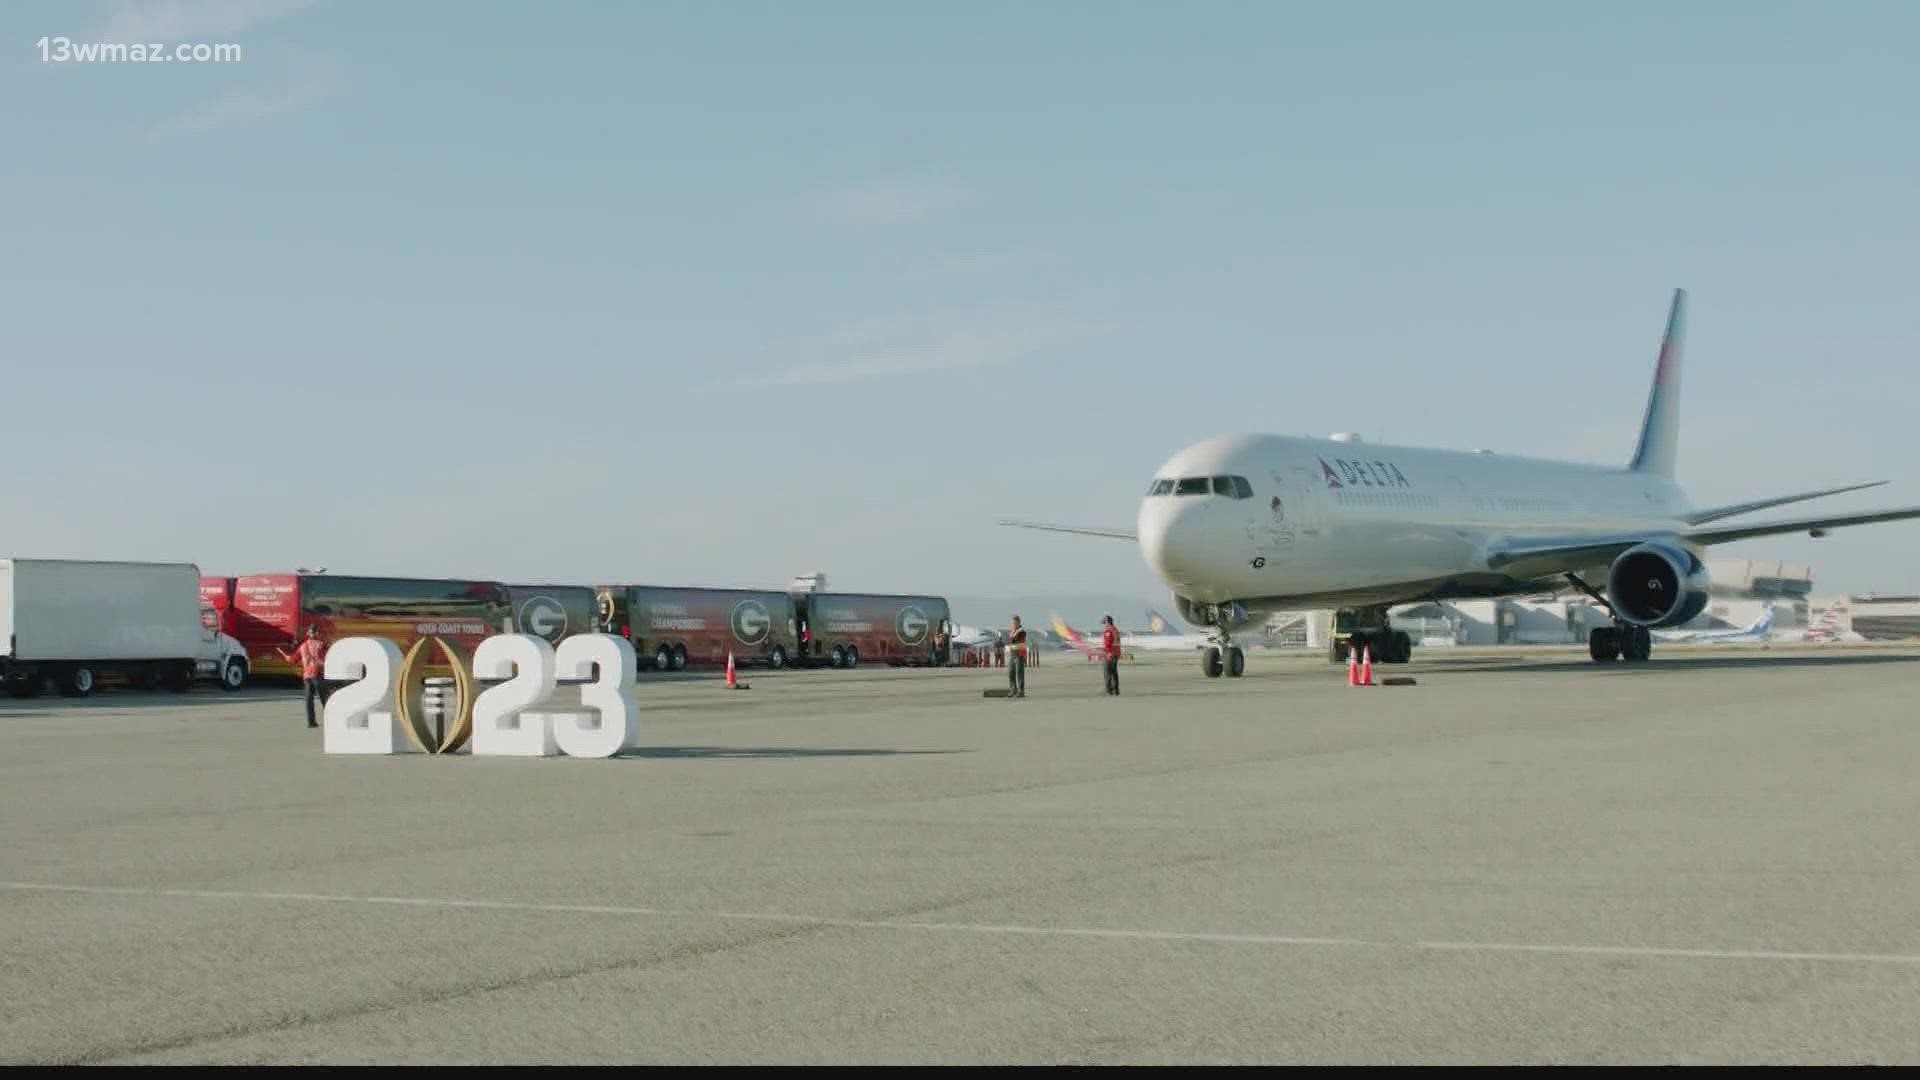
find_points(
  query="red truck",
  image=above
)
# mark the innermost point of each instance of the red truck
(217, 593)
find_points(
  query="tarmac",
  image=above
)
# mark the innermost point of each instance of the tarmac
(1525, 858)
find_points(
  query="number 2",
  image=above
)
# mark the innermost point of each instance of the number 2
(500, 727)
(359, 718)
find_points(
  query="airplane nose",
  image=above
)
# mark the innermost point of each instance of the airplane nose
(1168, 540)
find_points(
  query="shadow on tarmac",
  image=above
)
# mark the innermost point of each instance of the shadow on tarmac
(1678, 664)
(773, 752)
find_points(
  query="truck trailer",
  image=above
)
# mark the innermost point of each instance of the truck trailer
(673, 628)
(64, 623)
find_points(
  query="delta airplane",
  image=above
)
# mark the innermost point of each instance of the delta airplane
(1241, 526)
(1760, 629)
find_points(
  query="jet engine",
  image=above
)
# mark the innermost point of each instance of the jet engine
(1657, 584)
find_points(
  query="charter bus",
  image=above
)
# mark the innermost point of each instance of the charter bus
(674, 628)
(271, 612)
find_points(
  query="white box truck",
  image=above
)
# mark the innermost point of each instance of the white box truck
(66, 622)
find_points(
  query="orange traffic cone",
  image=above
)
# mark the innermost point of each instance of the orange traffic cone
(1366, 668)
(733, 680)
(1353, 667)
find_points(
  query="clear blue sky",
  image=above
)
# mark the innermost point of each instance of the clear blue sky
(743, 290)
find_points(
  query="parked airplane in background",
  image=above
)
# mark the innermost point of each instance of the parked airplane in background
(1760, 629)
(1827, 627)
(971, 636)
(1169, 642)
(1241, 526)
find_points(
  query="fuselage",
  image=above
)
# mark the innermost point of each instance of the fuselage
(1275, 522)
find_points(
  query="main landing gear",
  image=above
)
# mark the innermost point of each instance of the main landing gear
(1622, 640)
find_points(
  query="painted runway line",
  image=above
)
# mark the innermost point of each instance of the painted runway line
(831, 922)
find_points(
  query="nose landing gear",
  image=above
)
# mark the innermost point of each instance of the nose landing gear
(1222, 656)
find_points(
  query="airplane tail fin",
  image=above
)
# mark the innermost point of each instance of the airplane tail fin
(1061, 627)
(1660, 428)
(1158, 623)
(1827, 625)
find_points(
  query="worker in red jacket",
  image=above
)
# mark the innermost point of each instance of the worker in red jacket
(1110, 642)
(312, 658)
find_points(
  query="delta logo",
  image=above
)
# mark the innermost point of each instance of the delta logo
(1362, 474)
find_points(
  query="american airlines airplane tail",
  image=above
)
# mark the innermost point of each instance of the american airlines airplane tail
(1827, 627)
(1242, 526)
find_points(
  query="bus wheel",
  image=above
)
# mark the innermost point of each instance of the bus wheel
(839, 657)
(853, 656)
(662, 658)
(777, 659)
(679, 658)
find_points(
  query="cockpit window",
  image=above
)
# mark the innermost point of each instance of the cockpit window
(1232, 487)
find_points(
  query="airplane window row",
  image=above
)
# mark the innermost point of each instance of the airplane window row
(1233, 487)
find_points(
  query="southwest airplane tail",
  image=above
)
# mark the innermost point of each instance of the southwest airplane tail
(1243, 526)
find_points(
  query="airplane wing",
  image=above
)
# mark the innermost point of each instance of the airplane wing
(1543, 555)
(1701, 517)
(1083, 530)
(1817, 526)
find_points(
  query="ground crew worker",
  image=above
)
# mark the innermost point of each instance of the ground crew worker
(1017, 659)
(312, 657)
(1110, 639)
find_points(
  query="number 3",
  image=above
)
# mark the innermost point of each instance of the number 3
(502, 724)
(617, 727)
